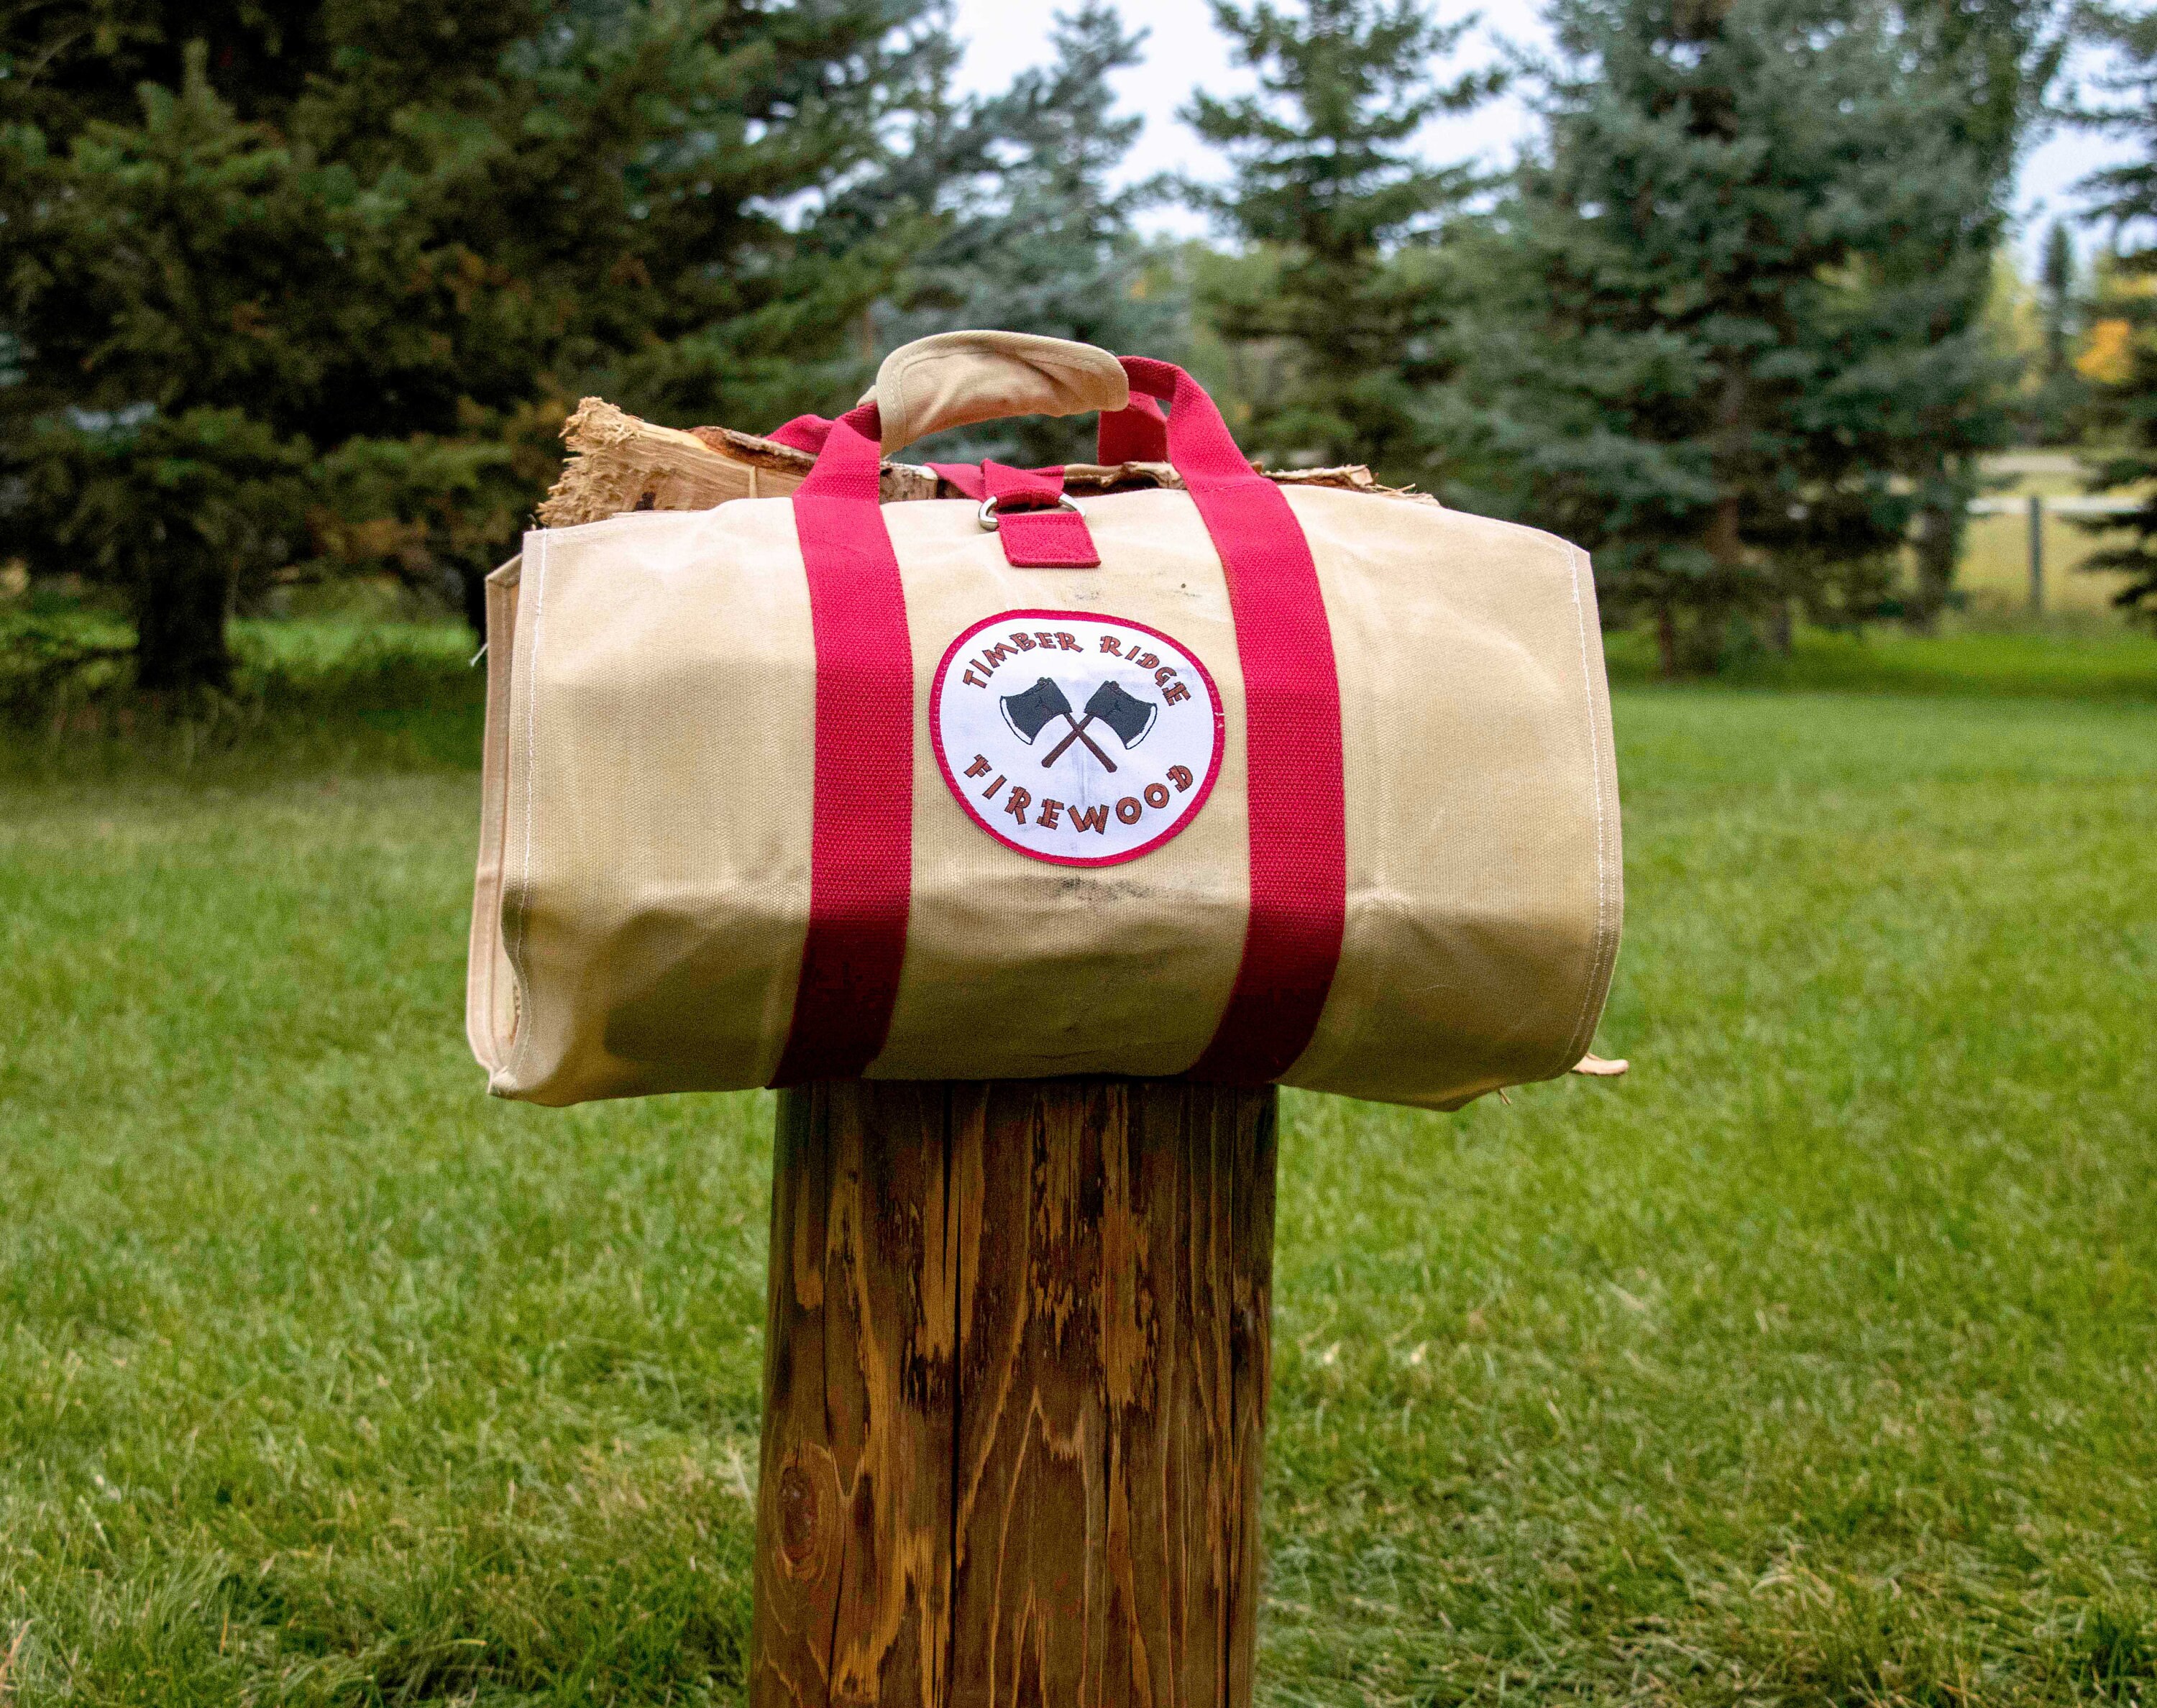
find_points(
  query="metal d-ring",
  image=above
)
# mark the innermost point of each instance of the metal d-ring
(991, 522)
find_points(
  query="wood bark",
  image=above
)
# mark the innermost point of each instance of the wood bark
(1015, 1395)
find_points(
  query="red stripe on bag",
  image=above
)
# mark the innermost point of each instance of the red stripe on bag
(862, 855)
(1292, 696)
(862, 837)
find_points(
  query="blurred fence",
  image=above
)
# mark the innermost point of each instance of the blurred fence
(2035, 508)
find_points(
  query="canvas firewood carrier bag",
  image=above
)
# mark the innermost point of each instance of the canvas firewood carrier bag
(1242, 781)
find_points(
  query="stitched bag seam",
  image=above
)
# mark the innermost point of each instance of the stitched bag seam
(1583, 1027)
(527, 1002)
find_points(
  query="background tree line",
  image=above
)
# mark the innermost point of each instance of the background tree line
(295, 293)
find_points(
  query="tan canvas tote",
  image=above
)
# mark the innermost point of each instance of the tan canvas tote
(1245, 781)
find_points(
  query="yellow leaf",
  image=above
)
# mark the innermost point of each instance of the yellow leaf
(2108, 358)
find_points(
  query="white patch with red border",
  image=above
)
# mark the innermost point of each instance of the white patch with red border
(1073, 737)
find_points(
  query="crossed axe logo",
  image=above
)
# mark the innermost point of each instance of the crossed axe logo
(1126, 714)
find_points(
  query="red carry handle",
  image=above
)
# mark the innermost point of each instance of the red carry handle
(861, 857)
(1194, 440)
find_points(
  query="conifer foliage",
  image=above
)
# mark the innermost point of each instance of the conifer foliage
(2125, 408)
(1977, 72)
(291, 291)
(2058, 282)
(1038, 234)
(1726, 325)
(313, 284)
(1340, 213)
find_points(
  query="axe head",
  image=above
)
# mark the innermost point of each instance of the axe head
(1128, 715)
(1027, 712)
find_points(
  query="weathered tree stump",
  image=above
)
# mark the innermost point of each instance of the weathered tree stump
(1015, 1393)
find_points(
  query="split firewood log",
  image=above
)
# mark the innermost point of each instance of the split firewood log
(619, 463)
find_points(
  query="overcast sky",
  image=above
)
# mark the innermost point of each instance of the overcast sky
(1184, 52)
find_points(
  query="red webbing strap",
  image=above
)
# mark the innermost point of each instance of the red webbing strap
(1014, 490)
(1138, 433)
(1292, 695)
(1017, 491)
(861, 869)
(1036, 531)
(862, 836)
(803, 433)
(966, 477)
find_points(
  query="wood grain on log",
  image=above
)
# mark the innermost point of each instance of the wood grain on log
(852, 1588)
(619, 463)
(1015, 1395)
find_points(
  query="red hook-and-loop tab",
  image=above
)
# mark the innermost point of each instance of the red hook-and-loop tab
(1040, 528)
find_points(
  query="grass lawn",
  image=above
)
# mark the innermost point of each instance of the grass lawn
(2070, 660)
(1816, 1363)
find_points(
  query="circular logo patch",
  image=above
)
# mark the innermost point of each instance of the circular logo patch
(1075, 737)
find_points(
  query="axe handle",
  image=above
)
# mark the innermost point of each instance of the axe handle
(1078, 734)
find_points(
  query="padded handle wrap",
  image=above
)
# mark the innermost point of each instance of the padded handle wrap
(954, 380)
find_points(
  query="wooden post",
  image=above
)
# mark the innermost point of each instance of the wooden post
(1015, 1391)
(2037, 555)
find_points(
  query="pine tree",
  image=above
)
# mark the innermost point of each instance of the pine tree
(383, 243)
(2056, 282)
(1979, 70)
(2054, 393)
(1728, 327)
(2124, 409)
(1339, 215)
(1036, 237)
